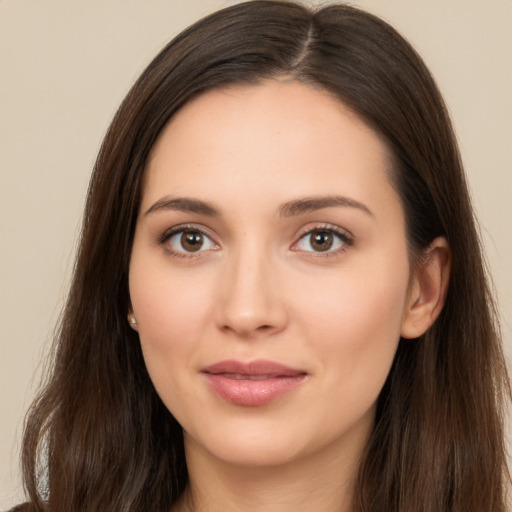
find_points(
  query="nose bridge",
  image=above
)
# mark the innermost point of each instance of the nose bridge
(250, 301)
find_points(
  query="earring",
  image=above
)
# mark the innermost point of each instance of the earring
(131, 319)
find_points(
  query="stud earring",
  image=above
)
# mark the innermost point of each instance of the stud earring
(132, 320)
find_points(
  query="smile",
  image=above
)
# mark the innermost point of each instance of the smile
(254, 383)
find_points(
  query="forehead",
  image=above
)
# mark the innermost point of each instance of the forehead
(280, 139)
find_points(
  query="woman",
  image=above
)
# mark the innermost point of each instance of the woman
(279, 300)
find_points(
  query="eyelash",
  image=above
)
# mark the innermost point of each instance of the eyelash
(183, 228)
(343, 236)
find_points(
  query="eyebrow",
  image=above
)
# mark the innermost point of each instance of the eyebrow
(288, 209)
(184, 204)
(310, 204)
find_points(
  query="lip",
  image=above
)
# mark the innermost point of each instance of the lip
(252, 383)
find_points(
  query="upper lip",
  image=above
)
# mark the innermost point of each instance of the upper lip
(257, 367)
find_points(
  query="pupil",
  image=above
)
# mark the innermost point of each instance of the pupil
(322, 241)
(191, 241)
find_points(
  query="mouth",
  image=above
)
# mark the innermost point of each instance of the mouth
(254, 383)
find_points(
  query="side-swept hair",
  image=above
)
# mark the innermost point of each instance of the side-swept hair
(98, 438)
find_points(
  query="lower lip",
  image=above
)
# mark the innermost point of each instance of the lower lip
(252, 392)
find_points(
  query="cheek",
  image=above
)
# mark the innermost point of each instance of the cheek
(354, 324)
(164, 296)
(353, 330)
(171, 310)
(363, 301)
(171, 314)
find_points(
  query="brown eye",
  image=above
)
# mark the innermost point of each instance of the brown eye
(192, 241)
(321, 240)
(188, 241)
(327, 240)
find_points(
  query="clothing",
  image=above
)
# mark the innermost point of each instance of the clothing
(24, 507)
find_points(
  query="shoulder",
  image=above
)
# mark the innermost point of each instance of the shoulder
(24, 507)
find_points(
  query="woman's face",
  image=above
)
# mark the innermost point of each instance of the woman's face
(269, 273)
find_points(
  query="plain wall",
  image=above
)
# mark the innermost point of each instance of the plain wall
(66, 65)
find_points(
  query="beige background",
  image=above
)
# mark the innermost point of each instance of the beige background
(64, 67)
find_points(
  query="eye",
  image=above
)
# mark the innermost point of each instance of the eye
(323, 240)
(188, 241)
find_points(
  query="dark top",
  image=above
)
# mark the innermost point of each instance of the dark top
(24, 507)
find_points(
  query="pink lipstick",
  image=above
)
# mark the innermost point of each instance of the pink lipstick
(253, 383)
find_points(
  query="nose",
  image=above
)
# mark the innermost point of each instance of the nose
(250, 303)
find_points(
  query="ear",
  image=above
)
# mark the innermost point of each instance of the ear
(427, 289)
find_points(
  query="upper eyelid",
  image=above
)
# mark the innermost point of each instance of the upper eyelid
(327, 227)
(187, 227)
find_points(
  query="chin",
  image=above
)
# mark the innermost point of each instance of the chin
(252, 446)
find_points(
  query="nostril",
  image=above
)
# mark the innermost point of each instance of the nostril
(247, 331)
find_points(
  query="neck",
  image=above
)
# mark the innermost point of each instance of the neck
(323, 482)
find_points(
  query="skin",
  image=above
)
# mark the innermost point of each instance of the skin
(258, 289)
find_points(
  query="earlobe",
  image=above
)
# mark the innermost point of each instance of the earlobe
(428, 289)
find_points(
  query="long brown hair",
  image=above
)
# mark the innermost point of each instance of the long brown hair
(98, 438)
